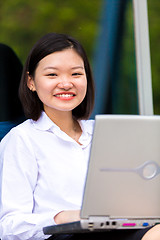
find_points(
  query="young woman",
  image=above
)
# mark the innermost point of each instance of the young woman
(44, 160)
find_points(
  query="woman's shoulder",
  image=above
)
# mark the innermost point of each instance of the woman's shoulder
(19, 130)
(26, 125)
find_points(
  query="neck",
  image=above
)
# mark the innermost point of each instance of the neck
(66, 122)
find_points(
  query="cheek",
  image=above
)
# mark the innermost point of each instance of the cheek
(84, 86)
(43, 86)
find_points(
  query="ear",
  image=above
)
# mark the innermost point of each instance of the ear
(30, 83)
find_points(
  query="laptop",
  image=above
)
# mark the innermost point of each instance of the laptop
(122, 189)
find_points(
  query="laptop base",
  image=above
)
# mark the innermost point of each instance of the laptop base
(97, 224)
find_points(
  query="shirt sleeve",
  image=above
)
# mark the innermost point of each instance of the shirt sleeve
(19, 173)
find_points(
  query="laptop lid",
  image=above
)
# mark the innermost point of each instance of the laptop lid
(123, 179)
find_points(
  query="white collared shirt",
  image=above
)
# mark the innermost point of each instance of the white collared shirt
(43, 173)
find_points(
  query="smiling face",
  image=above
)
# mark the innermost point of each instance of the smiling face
(60, 81)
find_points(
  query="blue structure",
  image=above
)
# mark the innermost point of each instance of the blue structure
(107, 51)
(107, 61)
(5, 127)
(107, 54)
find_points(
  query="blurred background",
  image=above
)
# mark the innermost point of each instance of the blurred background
(105, 29)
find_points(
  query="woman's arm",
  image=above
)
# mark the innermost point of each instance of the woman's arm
(67, 216)
(18, 180)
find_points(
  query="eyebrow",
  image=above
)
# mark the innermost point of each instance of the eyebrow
(77, 67)
(56, 68)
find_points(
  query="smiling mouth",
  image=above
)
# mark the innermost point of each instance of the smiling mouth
(65, 96)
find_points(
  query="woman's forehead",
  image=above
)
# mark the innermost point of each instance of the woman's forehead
(67, 57)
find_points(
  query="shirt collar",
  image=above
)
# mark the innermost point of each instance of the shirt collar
(44, 123)
(86, 126)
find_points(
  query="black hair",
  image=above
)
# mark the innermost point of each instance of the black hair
(50, 43)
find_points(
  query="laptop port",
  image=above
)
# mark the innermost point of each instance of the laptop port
(129, 224)
(114, 223)
(90, 225)
(102, 224)
(107, 223)
(145, 224)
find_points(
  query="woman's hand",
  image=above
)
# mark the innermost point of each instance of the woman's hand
(67, 216)
(153, 233)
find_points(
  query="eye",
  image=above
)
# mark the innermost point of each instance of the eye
(52, 74)
(77, 74)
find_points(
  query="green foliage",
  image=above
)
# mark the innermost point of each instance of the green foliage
(23, 22)
(126, 99)
(154, 29)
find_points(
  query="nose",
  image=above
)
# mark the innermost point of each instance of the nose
(65, 84)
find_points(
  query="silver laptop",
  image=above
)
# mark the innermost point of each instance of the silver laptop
(123, 181)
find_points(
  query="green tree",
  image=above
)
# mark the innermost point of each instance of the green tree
(154, 29)
(23, 22)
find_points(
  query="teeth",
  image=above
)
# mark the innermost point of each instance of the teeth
(65, 95)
